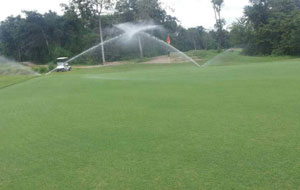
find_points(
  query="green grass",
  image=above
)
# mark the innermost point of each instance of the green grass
(7, 80)
(154, 127)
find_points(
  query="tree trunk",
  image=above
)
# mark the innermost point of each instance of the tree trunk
(46, 41)
(220, 32)
(220, 41)
(141, 48)
(19, 54)
(101, 40)
(219, 26)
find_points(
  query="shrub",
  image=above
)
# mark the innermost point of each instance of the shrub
(41, 69)
(51, 66)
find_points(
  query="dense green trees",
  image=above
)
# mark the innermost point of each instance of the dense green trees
(269, 27)
(89, 11)
(41, 38)
(11, 43)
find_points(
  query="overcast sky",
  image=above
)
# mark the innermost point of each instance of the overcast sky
(189, 12)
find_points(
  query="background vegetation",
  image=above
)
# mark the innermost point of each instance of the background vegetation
(40, 38)
(267, 27)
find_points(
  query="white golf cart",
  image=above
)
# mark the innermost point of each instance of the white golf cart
(62, 65)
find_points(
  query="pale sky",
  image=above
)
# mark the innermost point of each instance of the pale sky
(190, 13)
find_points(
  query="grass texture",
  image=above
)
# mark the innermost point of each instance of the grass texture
(154, 127)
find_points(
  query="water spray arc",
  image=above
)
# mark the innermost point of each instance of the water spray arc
(171, 47)
(89, 50)
(131, 30)
(9, 67)
(219, 59)
(94, 47)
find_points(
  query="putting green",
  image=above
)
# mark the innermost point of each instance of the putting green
(154, 127)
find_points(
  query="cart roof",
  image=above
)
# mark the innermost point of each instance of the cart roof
(62, 58)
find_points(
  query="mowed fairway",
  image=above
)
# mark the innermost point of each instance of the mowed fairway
(154, 127)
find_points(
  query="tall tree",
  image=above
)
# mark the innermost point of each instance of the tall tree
(218, 5)
(10, 38)
(102, 5)
(274, 27)
(89, 10)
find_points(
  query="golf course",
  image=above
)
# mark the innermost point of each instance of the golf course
(231, 125)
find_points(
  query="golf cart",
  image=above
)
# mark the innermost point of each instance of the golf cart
(62, 65)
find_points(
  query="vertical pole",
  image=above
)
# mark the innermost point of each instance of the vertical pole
(220, 30)
(101, 39)
(141, 48)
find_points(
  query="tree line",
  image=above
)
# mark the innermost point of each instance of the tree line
(267, 27)
(41, 38)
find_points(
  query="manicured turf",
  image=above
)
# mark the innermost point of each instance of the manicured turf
(154, 127)
(7, 80)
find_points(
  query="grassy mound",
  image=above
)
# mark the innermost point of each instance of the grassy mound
(8, 67)
(235, 57)
(13, 73)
